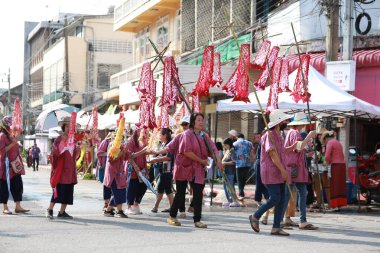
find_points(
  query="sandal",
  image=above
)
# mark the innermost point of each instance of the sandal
(22, 211)
(7, 212)
(291, 223)
(200, 225)
(264, 222)
(308, 226)
(280, 232)
(167, 210)
(254, 223)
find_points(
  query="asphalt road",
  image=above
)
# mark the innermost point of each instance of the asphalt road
(229, 229)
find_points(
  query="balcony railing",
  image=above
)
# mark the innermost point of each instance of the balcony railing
(127, 8)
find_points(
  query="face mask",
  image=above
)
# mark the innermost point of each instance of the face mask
(283, 126)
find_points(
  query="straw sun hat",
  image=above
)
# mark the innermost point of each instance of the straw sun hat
(276, 117)
(66, 120)
(300, 118)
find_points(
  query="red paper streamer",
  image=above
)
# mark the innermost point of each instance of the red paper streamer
(94, 130)
(299, 92)
(276, 71)
(217, 75)
(260, 59)
(273, 93)
(164, 117)
(263, 78)
(170, 92)
(205, 79)
(70, 141)
(16, 128)
(284, 77)
(238, 83)
(196, 103)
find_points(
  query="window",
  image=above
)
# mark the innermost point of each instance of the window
(105, 71)
(142, 46)
(178, 31)
(162, 32)
(113, 46)
(79, 31)
(263, 7)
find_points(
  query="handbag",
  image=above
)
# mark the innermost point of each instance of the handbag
(293, 170)
(17, 165)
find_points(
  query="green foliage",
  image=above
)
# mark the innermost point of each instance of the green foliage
(89, 176)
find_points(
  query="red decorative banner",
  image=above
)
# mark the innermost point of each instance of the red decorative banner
(273, 93)
(284, 77)
(238, 83)
(260, 59)
(94, 130)
(164, 117)
(217, 75)
(147, 91)
(205, 79)
(16, 127)
(70, 141)
(196, 103)
(275, 77)
(170, 92)
(263, 78)
(299, 92)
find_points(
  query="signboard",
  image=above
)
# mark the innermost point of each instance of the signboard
(342, 74)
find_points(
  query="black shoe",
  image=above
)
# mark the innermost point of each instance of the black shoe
(166, 210)
(64, 215)
(109, 213)
(49, 214)
(120, 214)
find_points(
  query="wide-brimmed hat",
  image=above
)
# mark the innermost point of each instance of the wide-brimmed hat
(66, 120)
(233, 132)
(276, 117)
(328, 133)
(300, 118)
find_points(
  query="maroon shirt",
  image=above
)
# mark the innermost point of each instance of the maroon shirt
(69, 172)
(13, 153)
(195, 143)
(295, 158)
(115, 170)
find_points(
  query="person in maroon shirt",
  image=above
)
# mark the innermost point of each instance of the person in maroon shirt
(68, 178)
(10, 148)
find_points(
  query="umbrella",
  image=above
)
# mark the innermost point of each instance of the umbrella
(49, 118)
(146, 181)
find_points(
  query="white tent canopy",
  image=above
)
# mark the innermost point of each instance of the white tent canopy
(325, 98)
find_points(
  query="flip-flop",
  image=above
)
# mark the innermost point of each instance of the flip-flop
(291, 224)
(253, 222)
(264, 222)
(280, 232)
(7, 212)
(22, 211)
(309, 227)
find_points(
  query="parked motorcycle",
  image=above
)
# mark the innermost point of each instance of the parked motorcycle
(369, 175)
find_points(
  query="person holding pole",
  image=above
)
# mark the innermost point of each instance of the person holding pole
(273, 172)
(296, 166)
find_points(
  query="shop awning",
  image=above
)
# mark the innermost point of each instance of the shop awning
(363, 58)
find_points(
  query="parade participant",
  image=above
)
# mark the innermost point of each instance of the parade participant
(136, 189)
(65, 162)
(334, 157)
(180, 179)
(115, 178)
(102, 158)
(273, 172)
(296, 167)
(194, 152)
(232, 134)
(244, 159)
(228, 162)
(36, 157)
(164, 165)
(9, 148)
(320, 175)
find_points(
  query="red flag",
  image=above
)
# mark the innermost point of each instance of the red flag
(299, 92)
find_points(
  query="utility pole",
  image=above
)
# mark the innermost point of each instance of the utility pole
(347, 30)
(67, 75)
(332, 29)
